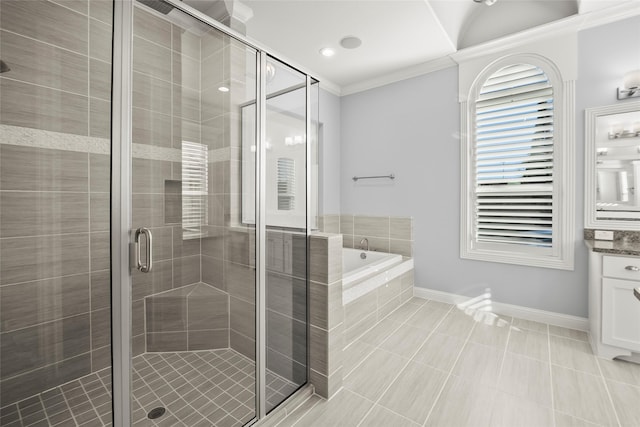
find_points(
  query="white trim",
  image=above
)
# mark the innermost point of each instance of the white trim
(399, 75)
(590, 212)
(567, 26)
(564, 175)
(570, 25)
(518, 311)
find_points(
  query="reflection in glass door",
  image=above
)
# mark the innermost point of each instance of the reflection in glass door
(285, 165)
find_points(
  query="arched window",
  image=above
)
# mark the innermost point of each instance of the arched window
(514, 168)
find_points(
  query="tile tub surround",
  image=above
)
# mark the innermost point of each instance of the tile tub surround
(326, 313)
(385, 233)
(436, 365)
(335, 322)
(369, 302)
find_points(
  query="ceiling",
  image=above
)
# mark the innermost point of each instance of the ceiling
(395, 34)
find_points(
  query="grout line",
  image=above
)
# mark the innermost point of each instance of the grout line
(409, 360)
(301, 415)
(49, 44)
(446, 381)
(64, 396)
(44, 409)
(94, 409)
(25, 82)
(506, 347)
(553, 402)
(158, 398)
(606, 388)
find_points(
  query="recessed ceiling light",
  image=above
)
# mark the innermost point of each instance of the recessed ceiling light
(327, 51)
(350, 42)
(223, 89)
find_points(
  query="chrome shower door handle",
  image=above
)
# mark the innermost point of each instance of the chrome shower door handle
(145, 268)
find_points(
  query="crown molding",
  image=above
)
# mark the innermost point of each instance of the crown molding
(399, 75)
(330, 87)
(569, 25)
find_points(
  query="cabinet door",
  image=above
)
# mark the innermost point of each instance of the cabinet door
(620, 314)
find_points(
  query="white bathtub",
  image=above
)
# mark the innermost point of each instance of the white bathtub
(361, 276)
(355, 267)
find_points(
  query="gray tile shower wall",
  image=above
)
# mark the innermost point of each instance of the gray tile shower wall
(54, 228)
(194, 317)
(384, 233)
(54, 277)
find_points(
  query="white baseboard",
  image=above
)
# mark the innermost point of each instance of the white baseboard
(526, 313)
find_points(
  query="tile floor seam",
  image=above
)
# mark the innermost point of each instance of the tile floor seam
(84, 390)
(553, 400)
(44, 409)
(73, 417)
(384, 407)
(586, 422)
(613, 380)
(376, 346)
(566, 338)
(404, 366)
(446, 381)
(504, 354)
(606, 388)
(377, 323)
(303, 415)
(599, 375)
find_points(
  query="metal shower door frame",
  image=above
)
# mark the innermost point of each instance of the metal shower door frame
(121, 203)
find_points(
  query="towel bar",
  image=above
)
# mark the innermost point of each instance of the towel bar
(390, 176)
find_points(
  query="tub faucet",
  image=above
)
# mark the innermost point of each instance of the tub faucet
(362, 242)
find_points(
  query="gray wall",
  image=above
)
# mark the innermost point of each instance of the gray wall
(411, 128)
(329, 173)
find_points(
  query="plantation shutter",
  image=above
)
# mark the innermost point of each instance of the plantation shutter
(513, 155)
(195, 158)
(286, 184)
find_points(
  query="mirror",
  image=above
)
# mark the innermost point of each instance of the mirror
(612, 170)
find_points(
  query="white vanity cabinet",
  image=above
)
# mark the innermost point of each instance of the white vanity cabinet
(614, 311)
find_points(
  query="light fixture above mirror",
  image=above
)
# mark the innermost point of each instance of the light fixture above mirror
(631, 85)
(487, 2)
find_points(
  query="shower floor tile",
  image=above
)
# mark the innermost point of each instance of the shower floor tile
(202, 388)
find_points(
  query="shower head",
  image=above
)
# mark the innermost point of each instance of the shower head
(158, 5)
(4, 67)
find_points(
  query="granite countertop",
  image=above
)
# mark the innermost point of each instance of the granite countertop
(619, 247)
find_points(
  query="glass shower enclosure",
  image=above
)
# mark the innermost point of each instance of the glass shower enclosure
(155, 204)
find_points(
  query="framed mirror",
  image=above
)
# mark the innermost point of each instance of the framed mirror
(612, 170)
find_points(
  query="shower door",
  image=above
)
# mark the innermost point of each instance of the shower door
(193, 287)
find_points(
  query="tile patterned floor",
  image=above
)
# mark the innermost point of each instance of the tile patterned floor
(439, 365)
(203, 388)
